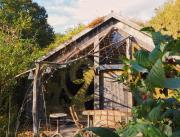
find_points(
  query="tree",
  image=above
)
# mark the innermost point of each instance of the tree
(26, 20)
(167, 19)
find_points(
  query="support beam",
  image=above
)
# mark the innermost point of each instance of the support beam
(111, 67)
(82, 46)
(36, 88)
(101, 90)
(96, 77)
(128, 47)
(142, 39)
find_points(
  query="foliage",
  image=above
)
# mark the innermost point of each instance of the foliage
(24, 34)
(26, 20)
(148, 71)
(16, 57)
(167, 18)
(61, 38)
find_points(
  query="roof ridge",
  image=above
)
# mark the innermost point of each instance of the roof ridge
(114, 15)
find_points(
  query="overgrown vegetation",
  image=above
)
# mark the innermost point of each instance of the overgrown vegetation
(25, 36)
(167, 18)
(150, 70)
(25, 19)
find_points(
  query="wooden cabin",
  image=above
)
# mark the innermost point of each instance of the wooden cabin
(103, 44)
(115, 36)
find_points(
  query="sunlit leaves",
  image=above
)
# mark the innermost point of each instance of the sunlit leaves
(156, 76)
(167, 19)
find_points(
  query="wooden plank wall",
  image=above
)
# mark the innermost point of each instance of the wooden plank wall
(116, 95)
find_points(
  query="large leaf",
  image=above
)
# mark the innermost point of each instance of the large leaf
(152, 131)
(142, 58)
(139, 68)
(155, 113)
(155, 55)
(156, 77)
(102, 132)
(131, 131)
(172, 83)
(158, 38)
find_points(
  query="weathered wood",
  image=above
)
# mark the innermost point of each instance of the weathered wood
(36, 84)
(82, 46)
(128, 45)
(111, 67)
(141, 38)
(96, 77)
(130, 100)
(115, 96)
(101, 90)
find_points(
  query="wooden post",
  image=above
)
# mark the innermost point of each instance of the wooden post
(101, 90)
(96, 77)
(128, 47)
(130, 101)
(36, 84)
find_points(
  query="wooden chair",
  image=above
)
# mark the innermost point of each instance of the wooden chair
(77, 122)
(75, 118)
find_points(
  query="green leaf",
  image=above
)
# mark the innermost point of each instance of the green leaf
(153, 131)
(148, 29)
(139, 68)
(168, 113)
(131, 131)
(156, 77)
(172, 83)
(155, 113)
(158, 38)
(102, 132)
(142, 58)
(155, 55)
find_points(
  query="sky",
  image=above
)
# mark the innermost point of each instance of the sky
(64, 14)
